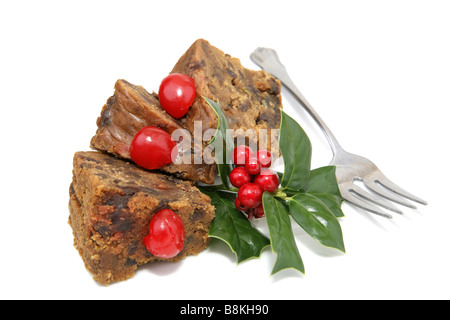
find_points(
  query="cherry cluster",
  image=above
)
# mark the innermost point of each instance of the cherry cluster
(252, 176)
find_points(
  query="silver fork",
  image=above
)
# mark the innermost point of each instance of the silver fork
(350, 168)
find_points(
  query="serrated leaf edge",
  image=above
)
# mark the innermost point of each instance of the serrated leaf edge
(235, 253)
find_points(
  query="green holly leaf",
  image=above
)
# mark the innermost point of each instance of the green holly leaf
(296, 150)
(281, 236)
(323, 185)
(317, 220)
(332, 202)
(323, 180)
(222, 143)
(232, 227)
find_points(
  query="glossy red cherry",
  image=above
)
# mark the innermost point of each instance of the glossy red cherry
(176, 94)
(268, 180)
(250, 195)
(239, 176)
(252, 166)
(166, 234)
(241, 154)
(152, 148)
(265, 158)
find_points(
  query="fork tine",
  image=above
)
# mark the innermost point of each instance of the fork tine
(382, 191)
(374, 198)
(352, 198)
(388, 184)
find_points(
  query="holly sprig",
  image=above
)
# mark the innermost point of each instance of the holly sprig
(310, 198)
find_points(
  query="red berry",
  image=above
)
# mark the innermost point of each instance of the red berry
(176, 94)
(250, 195)
(259, 211)
(241, 154)
(238, 205)
(252, 166)
(152, 148)
(265, 158)
(239, 177)
(268, 180)
(166, 233)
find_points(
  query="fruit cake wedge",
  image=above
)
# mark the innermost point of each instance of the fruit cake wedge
(111, 204)
(250, 100)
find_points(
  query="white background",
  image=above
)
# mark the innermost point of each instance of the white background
(377, 71)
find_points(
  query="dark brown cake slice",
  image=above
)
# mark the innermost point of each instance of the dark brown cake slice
(249, 99)
(111, 204)
(130, 109)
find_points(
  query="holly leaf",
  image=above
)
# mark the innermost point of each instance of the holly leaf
(296, 150)
(232, 227)
(323, 180)
(323, 185)
(332, 202)
(281, 236)
(222, 143)
(317, 220)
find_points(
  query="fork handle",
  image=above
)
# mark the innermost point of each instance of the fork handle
(268, 60)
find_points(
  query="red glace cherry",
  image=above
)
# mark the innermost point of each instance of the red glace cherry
(239, 176)
(250, 195)
(152, 148)
(268, 180)
(176, 94)
(166, 234)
